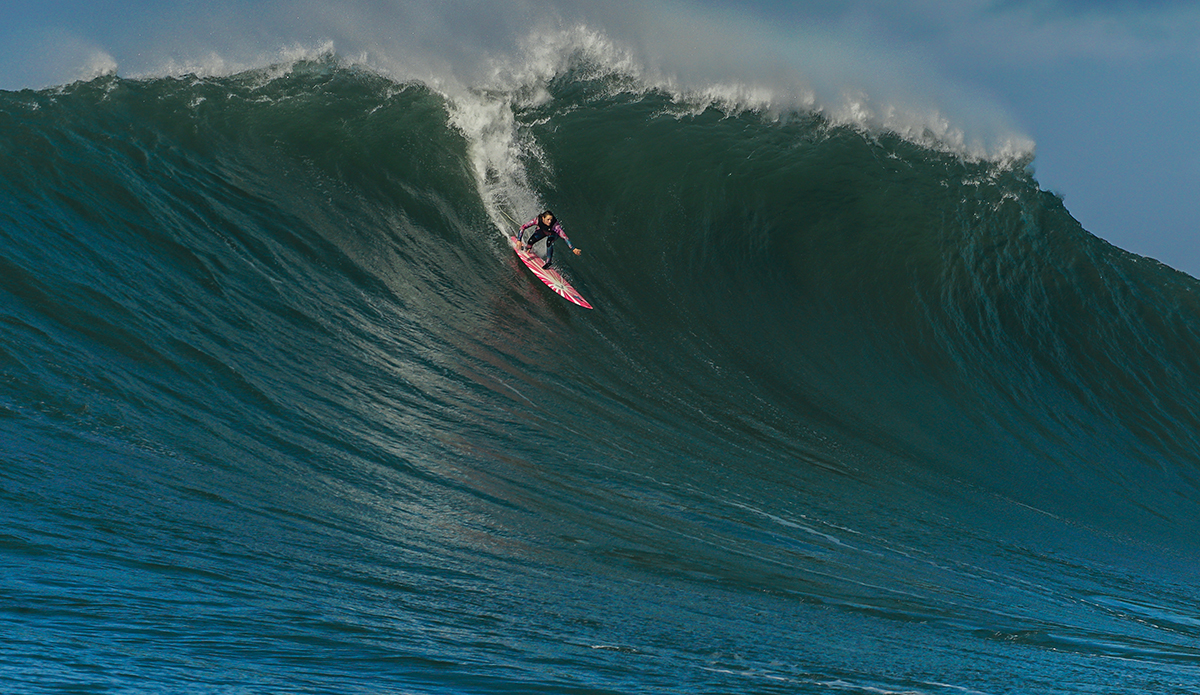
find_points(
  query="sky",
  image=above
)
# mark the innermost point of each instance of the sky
(1108, 90)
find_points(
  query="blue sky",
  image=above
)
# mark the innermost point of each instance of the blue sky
(1109, 90)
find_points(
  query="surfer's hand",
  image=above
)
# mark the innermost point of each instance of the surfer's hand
(577, 252)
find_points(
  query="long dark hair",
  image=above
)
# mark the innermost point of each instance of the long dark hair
(553, 219)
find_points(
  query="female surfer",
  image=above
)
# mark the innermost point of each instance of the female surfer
(549, 229)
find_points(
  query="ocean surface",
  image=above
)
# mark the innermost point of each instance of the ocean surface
(856, 411)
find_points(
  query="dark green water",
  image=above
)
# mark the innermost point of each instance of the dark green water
(280, 411)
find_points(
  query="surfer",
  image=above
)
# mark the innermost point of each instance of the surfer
(549, 229)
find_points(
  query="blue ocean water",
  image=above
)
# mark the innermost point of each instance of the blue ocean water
(280, 411)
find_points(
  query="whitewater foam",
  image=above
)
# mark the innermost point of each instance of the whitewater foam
(484, 110)
(702, 56)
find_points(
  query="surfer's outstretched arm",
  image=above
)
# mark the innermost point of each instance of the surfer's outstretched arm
(559, 231)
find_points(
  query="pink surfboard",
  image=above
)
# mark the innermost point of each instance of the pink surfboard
(549, 276)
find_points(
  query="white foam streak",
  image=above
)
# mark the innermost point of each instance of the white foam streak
(497, 153)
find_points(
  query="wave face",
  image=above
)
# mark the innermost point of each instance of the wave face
(281, 412)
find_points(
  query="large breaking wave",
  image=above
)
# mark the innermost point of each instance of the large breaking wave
(860, 408)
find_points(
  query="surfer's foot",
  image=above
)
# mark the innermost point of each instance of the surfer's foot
(547, 265)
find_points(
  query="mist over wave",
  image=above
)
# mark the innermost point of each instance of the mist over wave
(699, 53)
(857, 410)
